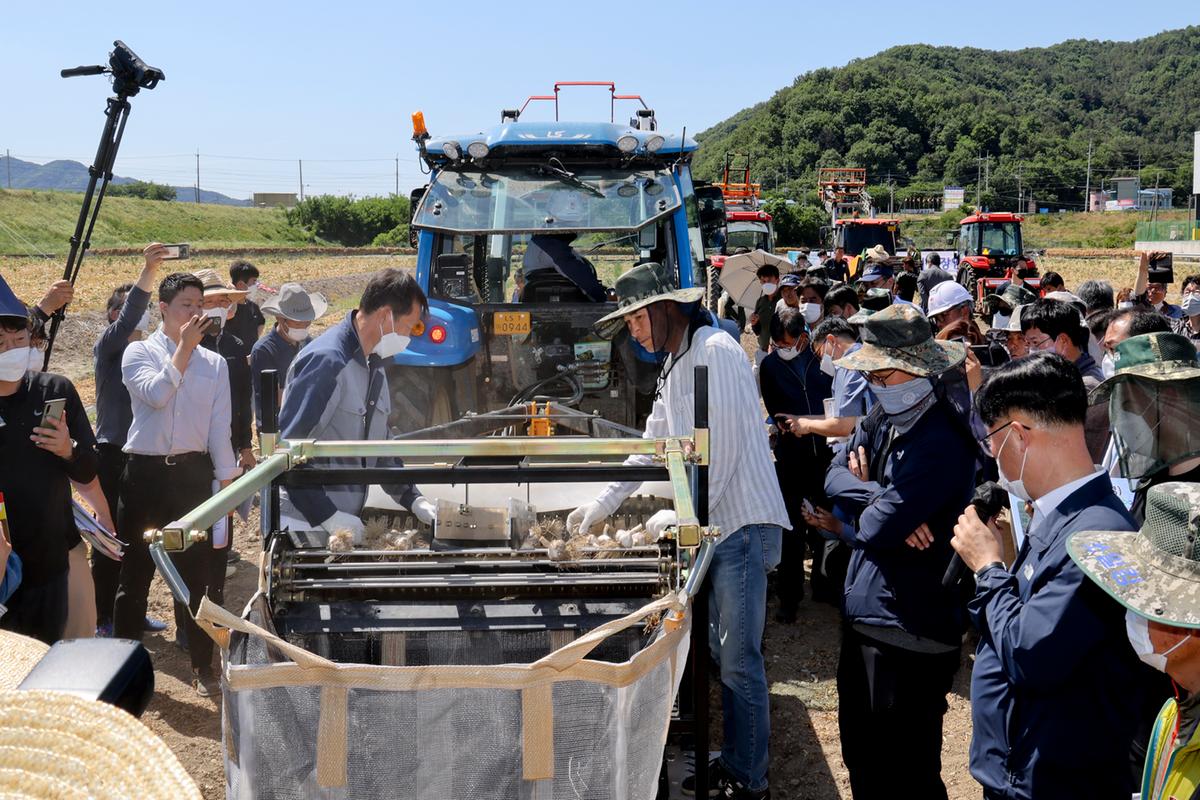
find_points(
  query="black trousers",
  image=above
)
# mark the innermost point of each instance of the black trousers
(891, 703)
(796, 483)
(106, 573)
(39, 611)
(153, 494)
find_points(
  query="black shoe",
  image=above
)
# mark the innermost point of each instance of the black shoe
(206, 684)
(717, 778)
(734, 790)
(786, 614)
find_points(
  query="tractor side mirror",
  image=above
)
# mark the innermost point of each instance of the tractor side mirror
(414, 200)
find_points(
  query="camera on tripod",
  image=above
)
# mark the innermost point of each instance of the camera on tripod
(129, 73)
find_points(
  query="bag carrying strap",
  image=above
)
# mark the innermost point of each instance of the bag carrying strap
(576, 651)
(217, 622)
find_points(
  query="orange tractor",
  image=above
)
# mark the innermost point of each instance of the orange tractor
(991, 253)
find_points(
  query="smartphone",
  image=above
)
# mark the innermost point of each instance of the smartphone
(1162, 268)
(52, 410)
(212, 324)
(177, 252)
(807, 506)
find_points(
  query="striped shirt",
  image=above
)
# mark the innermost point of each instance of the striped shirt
(742, 486)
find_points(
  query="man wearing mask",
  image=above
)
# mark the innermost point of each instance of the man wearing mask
(246, 320)
(1188, 323)
(1153, 573)
(128, 321)
(903, 631)
(38, 461)
(833, 339)
(1150, 287)
(744, 502)
(950, 306)
(789, 292)
(812, 301)
(337, 389)
(764, 309)
(793, 386)
(1001, 306)
(1050, 642)
(294, 310)
(931, 276)
(837, 268)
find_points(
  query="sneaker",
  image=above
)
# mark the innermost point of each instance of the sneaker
(717, 778)
(734, 790)
(206, 685)
(152, 625)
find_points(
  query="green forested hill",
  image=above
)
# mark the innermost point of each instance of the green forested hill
(926, 115)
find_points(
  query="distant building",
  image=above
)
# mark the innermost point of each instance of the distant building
(274, 199)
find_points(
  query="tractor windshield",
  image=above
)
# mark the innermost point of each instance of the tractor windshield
(1000, 239)
(857, 238)
(529, 199)
(751, 235)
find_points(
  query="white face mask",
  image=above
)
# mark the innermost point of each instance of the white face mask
(296, 334)
(769, 288)
(1108, 365)
(811, 312)
(144, 323)
(1191, 305)
(827, 361)
(36, 359)
(1137, 629)
(787, 353)
(13, 363)
(1016, 487)
(1125, 304)
(390, 343)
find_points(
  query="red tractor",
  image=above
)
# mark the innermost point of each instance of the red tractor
(990, 253)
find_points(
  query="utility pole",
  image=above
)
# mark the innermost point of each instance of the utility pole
(978, 185)
(8, 164)
(397, 176)
(1020, 191)
(300, 161)
(1087, 186)
(197, 174)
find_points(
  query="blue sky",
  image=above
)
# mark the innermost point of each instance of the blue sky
(255, 85)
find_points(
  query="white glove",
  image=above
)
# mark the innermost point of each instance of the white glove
(340, 520)
(425, 510)
(660, 522)
(584, 518)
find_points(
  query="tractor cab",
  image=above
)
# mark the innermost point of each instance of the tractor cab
(521, 233)
(855, 236)
(991, 252)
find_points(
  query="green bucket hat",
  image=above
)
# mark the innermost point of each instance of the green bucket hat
(1154, 356)
(874, 300)
(1154, 572)
(639, 287)
(899, 337)
(1012, 296)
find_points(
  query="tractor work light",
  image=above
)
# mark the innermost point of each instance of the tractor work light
(478, 150)
(452, 150)
(655, 142)
(627, 143)
(437, 334)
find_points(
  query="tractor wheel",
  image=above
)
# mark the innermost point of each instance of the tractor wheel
(966, 277)
(421, 396)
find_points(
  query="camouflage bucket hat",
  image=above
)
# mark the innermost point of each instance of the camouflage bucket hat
(638, 288)
(1154, 356)
(1154, 572)
(1012, 296)
(899, 337)
(874, 300)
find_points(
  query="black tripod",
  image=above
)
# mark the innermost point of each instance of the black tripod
(129, 76)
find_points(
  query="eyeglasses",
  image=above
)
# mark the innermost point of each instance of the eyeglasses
(881, 378)
(986, 441)
(1037, 344)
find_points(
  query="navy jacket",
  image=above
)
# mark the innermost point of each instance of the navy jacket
(796, 387)
(1056, 689)
(926, 475)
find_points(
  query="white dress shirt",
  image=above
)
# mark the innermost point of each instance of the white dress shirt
(174, 413)
(1053, 498)
(742, 486)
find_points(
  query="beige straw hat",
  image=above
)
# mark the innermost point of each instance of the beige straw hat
(54, 744)
(18, 655)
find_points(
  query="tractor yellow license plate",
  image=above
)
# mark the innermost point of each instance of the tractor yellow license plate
(511, 323)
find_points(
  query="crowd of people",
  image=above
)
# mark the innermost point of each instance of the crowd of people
(898, 409)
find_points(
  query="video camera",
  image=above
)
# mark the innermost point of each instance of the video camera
(129, 73)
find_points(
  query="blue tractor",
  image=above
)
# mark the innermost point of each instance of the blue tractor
(609, 195)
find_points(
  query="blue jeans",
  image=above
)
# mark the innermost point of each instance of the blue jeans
(737, 608)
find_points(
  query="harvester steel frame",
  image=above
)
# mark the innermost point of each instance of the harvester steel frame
(684, 460)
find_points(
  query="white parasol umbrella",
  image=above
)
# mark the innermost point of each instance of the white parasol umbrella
(739, 279)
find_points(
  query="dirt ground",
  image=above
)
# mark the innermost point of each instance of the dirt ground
(801, 658)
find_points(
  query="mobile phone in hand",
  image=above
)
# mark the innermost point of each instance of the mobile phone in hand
(52, 410)
(1162, 269)
(177, 252)
(808, 507)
